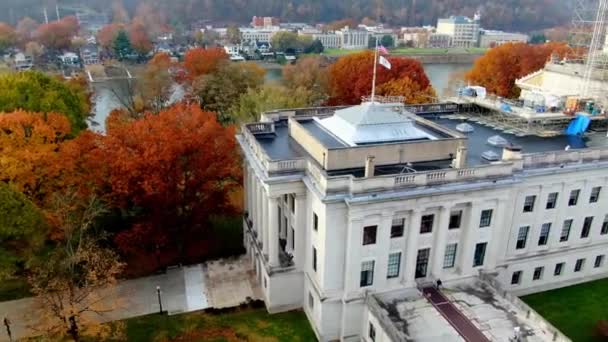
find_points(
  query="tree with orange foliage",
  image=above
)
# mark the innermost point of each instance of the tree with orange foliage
(412, 92)
(199, 61)
(28, 145)
(25, 30)
(178, 167)
(498, 69)
(155, 82)
(107, 35)
(58, 34)
(8, 37)
(350, 78)
(138, 35)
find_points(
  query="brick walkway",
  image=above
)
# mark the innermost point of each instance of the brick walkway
(463, 325)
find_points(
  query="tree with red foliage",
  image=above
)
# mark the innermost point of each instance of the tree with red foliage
(108, 33)
(138, 35)
(199, 61)
(58, 34)
(178, 167)
(350, 78)
(498, 69)
(8, 37)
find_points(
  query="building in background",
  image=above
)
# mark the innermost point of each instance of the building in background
(356, 209)
(439, 41)
(416, 37)
(353, 39)
(263, 35)
(264, 22)
(491, 38)
(464, 31)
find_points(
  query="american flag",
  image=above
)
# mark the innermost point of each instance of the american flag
(382, 50)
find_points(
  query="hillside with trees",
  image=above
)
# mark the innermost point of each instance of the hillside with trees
(518, 15)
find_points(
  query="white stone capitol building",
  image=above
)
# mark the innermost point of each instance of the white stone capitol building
(351, 212)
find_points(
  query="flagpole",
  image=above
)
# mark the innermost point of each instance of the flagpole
(375, 69)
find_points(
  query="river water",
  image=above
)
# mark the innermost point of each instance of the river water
(439, 75)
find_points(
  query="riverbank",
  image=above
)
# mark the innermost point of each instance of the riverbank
(425, 56)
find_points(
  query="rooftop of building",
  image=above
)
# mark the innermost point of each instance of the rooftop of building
(407, 315)
(458, 19)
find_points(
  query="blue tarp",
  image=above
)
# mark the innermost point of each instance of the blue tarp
(505, 107)
(578, 125)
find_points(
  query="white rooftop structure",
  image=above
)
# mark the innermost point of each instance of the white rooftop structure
(373, 122)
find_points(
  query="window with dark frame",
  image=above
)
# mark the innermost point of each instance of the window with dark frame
(573, 200)
(449, 258)
(480, 254)
(397, 227)
(426, 223)
(516, 278)
(394, 263)
(552, 200)
(586, 227)
(367, 273)
(522, 237)
(314, 259)
(544, 234)
(369, 235)
(486, 218)
(292, 203)
(529, 204)
(579, 265)
(595, 194)
(455, 219)
(565, 234)
(604, 229)
(599, 261)
(422, 262)
(538, 273)
(558, 269)
(315, 222)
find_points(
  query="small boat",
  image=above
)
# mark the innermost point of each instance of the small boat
(497, 140)
(465, 128)
(490, 156)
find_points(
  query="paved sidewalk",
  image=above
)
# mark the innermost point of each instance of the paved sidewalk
(182, 290)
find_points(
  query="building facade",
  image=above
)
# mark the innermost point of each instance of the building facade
(353, 39)
(344, 203)
(490, 38)
(464, 31)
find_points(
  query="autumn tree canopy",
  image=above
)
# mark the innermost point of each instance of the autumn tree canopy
(37, 92)
(310, 73)
(155, 83)
(498, 69)
(25, 30)
(199, 61)
(8, 36)
(57, 34)
(108, 33)
(350, 78)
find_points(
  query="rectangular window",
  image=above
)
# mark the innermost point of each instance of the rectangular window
(558, 269)
(311, 301)
(595, 194)
(285, 197)
(579, 265)
(397, 227)
(455, 219)
(538, 273)
(544, 234)
(422, 262)
(372, 332)
(516, 278)
(449, 259)
(314, 259)
(529, 204)
(522, 237)
(369, 235)
(552, 200)
(486, 218)
(586, 227)
(292, 203)
(573, 197)
(367, 273)
(315, 222)
(480, 254)
(394, 263)
(604, 230)
(565, 234)
(599, 261)
(426, 224)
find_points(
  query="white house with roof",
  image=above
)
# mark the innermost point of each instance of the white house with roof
(352, 212)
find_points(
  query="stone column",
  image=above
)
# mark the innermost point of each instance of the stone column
(468, 239)
(499, 235)
(273, 231)
(439, 241)
(411, 252)
(259, 213)
(246, 186)
(264, 225)
(352, 246)
(300, 230)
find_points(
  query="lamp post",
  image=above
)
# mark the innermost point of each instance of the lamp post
(160, 302)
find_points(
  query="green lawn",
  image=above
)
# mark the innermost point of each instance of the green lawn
(14, 289)
(575, 309)
(243, 325)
